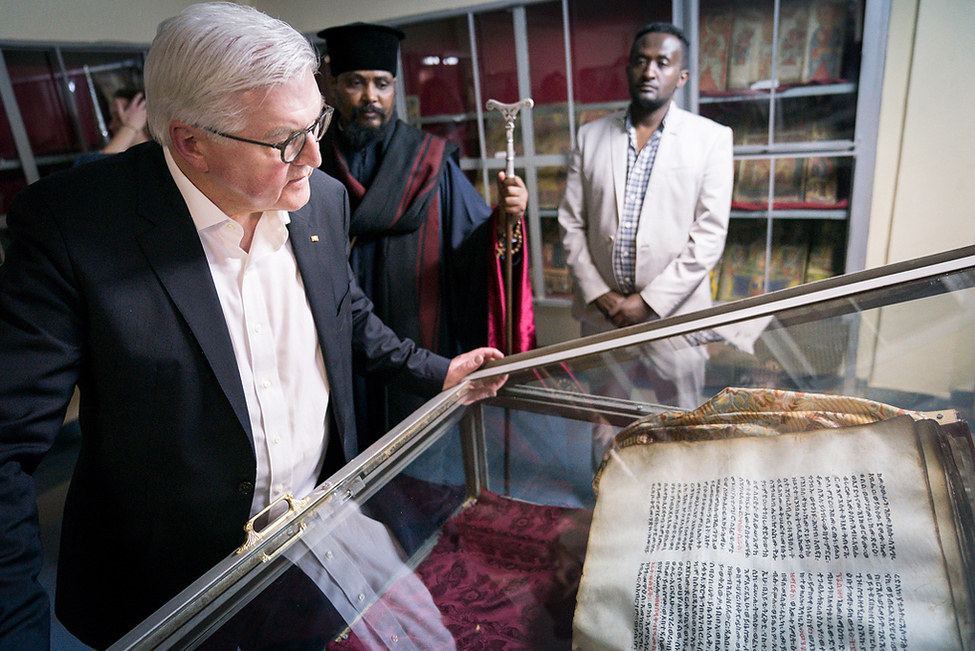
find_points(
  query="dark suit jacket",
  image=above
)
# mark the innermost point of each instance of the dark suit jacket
(107, 286)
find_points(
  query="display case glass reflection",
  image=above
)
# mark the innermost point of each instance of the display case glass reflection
(468, 523)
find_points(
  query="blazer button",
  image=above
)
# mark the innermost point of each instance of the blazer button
(246, 487)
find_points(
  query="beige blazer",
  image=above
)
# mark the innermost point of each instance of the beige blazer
(683, 222)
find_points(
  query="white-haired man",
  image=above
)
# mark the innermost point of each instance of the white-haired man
(198, 293)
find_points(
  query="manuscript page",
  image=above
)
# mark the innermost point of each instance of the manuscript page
(819, 540)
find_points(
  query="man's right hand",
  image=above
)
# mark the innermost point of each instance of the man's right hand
(513, 196)
(466, 363)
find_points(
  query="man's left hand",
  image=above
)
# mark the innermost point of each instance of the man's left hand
(466, 363)
(514, 195)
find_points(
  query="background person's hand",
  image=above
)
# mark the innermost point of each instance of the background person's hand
(513, 196)
(133, 114)
(632, 310)
(609, 302)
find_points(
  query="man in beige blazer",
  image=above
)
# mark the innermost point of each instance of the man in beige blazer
(647, 199)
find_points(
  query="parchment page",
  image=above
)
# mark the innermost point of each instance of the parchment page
(819, 540)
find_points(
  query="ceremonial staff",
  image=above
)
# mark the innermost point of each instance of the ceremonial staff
(510, 112)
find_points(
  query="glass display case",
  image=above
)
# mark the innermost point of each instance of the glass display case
(498, 515)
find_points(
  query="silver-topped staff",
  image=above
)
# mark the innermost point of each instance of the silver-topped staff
(510, 112)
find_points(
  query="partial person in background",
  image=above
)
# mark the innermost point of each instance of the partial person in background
(647, 203)
(127, 125)
(423, 239)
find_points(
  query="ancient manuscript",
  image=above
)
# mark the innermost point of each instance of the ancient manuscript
(831, 539)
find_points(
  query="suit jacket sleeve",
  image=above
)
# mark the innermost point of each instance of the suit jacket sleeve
(378, 350)
(574, 216)
(352, 337)
(39, 354)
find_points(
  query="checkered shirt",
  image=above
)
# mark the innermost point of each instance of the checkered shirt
(638, 168)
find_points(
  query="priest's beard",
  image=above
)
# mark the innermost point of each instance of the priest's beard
(355, 136)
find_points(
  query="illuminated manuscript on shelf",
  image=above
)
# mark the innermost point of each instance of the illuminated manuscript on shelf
(793, 22)
(825, 40)
(750, 58)
(714, 44)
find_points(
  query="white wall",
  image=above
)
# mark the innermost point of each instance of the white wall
(924, 185)
(135, 21)
(85, 21)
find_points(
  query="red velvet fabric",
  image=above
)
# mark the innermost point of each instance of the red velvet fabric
(789, 205)
(504, 575)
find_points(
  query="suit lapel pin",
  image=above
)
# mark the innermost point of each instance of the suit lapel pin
(314, 238)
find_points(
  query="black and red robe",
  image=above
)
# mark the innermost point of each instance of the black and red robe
(424, 252)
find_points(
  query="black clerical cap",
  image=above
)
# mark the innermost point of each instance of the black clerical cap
(361, 46)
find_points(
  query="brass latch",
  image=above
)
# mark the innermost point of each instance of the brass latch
(254, 537)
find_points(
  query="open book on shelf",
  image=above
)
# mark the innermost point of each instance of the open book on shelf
(835, 538)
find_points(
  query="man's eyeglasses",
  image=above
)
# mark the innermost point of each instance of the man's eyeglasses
(292, 147)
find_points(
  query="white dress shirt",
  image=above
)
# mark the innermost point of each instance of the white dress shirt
(275, 342)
